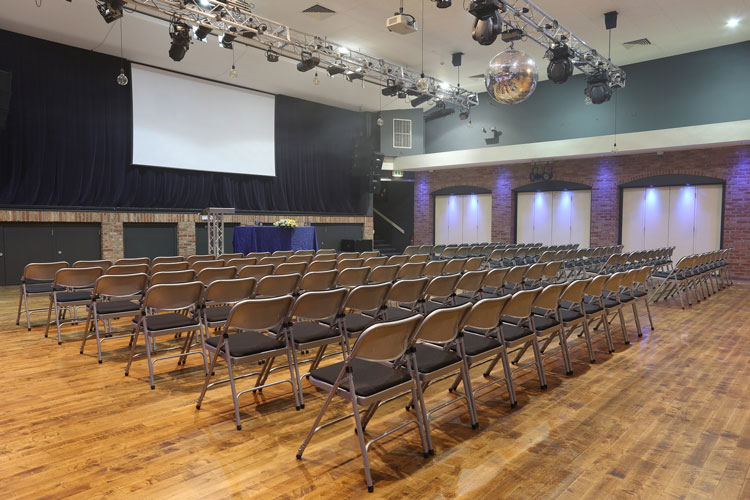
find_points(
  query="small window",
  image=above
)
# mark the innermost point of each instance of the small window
(401, 133)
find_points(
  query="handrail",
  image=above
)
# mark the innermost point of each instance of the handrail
(389, 221)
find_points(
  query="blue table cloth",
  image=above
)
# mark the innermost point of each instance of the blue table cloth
(271, 238)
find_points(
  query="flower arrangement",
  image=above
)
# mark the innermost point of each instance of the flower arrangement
(290, 223)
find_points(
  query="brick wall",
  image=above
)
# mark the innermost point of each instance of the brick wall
(112, 224)
(604, 175)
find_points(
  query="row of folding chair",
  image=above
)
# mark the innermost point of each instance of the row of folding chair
(704, 274)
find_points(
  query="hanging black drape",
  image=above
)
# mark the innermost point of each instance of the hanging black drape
(68, 144)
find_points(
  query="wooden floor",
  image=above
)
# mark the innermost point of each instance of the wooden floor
(665, 417)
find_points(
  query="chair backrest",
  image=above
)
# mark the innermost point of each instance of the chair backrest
(318, 280)
(474, 264)
(369, 253)
(434, 268)
(42, 271)
(211, 274)
(347, 263)
(386, 341)
(167, 277)
(547, 256)
(200, 265)
(195, 258)
(495, 278)
(534, 273)
(167, 260)
(128, 269)
(310, 252)
(442, 286)
(277, 285)
(321, 265)
(419, 257)
(347, 255)
(448, 253)
(549, 296)
(282, 253)
(169, 266)
(273, 260)
(256, 271)
(367, 297)
(485, 314)
(242, 262)
(471, 281)
(319, 305)
(442, 325)
(326, 251)
(407, 291)
(229, 291)
(411, 250)
(226, 257)
(291, 268)
(496, 255)
(515, 275)
(260, 314)
(397, 260)
(454, 266)
(174, 296)
(520, 304)
(306, 258)
(574, 291)
(257, 255)
(410, 270)
(122, 285)
(596, 286)
(104, 264)
(352, 276)
(375, 261)
(612, 285)
(133, 261)
(462, 252)
(383, 274)
(551, 269)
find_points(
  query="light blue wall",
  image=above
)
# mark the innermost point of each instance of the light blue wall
(709, 86)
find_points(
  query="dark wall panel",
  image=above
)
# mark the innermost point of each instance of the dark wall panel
(330, 235)
(149, 240)
(72, 242)
(201, 238)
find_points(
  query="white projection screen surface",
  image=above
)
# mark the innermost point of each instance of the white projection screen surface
(188, 123)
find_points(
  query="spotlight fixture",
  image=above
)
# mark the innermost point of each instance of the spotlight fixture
(392, 89)
(316, 80)
(180, 35)
(225, 40)
(111, 10)
(464, 114)
(488, 23)
(442, 4)
(354, 75)
(201, 32)
(336, 68)
(420, 100)
(308, 62)
(272, 56)
(560, 66)
(597, 89)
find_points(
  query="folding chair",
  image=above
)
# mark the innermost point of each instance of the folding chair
(115, 296)
(321, 265)
(369, 377)
(403, 299)
(454, 266)
(375, 261)
(369, 254)
(254, 319)
(410, 271)
(532, 278)
(167, 260)
(104, 264)
(397, 260)
(545, 322)
(211, 274)
(363, 306)
(411, 250)
(71, 288)
(171, 277)
(128, 269)
(277, 285)
(348, 263)
(200, 265)
(317, 281)
(160, 315)
(308, 252)
(493, 282)
(273, 260)
(551, 272)
(469, 286)
(256, 271)
(352, 276)
(239, 263)
(383, 274)
(291, 268)
(282, 253)
(192, 259)
(257, 255)
(434, 268)
(306, 258)
(514, 279)
(226, 257)
(36, 281)
(419, 258)
(219, 298)
(169, 266)
(347, 256)
(325, 251)
(611, 299)
(133, 261)
(473, 264)
(439, 293)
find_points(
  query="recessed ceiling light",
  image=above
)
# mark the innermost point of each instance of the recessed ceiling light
(732, 23)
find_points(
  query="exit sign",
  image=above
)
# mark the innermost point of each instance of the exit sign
(398, 173)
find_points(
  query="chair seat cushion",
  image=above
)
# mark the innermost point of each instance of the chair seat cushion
(168, 321)
(430, 358)
(609, 303)
(369, 378)
(569, 315)
(462, 299)
(73, 296)
(625, 297)
(661, 274)
(311, 331)
(217, 314)
(430, 306)
(542, 323)
(248, 343)
(512, 333)
(118, 306)
(397, 313)
(42, 288)
(356, 322)
(477, 343)
(640, 293)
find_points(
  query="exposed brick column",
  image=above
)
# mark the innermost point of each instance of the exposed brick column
(112, 243)
(186, 237)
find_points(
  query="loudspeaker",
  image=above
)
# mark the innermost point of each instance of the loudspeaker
(5, 81)
(356, 245)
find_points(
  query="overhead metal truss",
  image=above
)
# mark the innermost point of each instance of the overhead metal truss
(235, 17)
(545, 30)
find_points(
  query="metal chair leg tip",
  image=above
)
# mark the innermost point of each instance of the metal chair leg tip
(299, 457)
(297, 408)
(239, 427)
(475, 426)
(100, 361)
(152, 387)
(432, 452)
(513, 405)
(59, 343)
(370, 489)
(197, 407)
(302, 407)
(543, 387)
(570, 372)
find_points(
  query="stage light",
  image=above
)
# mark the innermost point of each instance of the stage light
(201, 32)
(597, 89)
(336, 69)
(392, 89)
(733, 23)
(560, 66)
(464, 114)
(420, 100)
(272, 56)
(316, 80)
(354, 75)
(180, 35)
(443, 4)
(111, 10)
(225, 40)
(488, 23)
(308, 62)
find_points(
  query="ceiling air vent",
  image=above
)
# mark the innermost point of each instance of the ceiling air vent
(319, 12)
(637, 43)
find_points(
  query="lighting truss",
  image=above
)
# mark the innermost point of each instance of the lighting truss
(262, 33)
(545, 30)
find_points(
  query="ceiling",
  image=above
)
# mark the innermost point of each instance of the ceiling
(672, 26)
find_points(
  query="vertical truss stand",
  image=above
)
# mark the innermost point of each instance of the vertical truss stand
(215, 219)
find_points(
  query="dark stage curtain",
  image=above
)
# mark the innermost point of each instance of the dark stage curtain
(68, 144)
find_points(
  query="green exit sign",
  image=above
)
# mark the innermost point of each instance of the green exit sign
(398, 173)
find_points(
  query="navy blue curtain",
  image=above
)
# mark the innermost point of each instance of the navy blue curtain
(68, 144)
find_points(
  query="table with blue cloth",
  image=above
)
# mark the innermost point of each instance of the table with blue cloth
(248, 239)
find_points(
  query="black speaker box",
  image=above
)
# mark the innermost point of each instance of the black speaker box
(5, 81)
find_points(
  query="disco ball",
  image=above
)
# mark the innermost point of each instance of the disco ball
(511, 77)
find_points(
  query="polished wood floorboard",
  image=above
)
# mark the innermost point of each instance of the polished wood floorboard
(665, 417)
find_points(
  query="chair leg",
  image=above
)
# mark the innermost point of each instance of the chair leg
(565, 351)
(491, 366)
(622, 326)
(49, 316)
(423, 420)
(293, 372)
(208, 375)
(508, 378)
(26, 310)
(648, 310)
(133, 343)
(235, 399)
(468, 390)
(319, 417)
(637, 319)
(539, 363)
(20, 301)
(57, 323)
(587, 337)
(148, 358)
(361, 437)
(203, 336)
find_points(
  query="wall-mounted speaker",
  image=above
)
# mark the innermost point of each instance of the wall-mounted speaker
(5, 81)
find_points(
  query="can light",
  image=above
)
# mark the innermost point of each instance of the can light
(733, 22)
